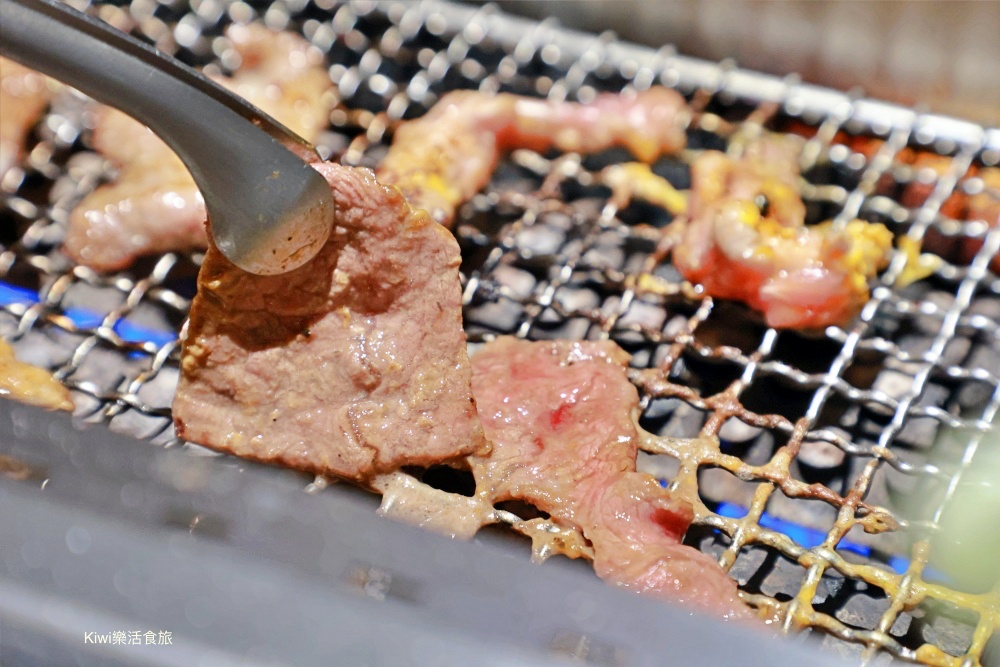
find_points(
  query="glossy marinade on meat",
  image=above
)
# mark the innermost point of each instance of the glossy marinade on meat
(353, 364)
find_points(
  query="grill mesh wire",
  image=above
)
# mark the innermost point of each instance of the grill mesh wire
(835, 431)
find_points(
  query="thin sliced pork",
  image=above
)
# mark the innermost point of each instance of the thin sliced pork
(561, 415)
(444, 157)
(353, 364)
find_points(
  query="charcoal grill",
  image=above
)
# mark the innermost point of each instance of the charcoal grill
(838, 463)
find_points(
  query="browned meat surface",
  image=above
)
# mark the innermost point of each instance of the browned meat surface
(154, 205)
(30, 384)
(447, 155)
(562, 417)
(745, 238)
(24, 94)
(354, 364)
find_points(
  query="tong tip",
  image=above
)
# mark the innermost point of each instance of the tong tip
(287, 235)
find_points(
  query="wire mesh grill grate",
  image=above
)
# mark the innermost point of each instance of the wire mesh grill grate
(825, 439)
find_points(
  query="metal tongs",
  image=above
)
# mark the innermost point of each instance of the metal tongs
(270, 212)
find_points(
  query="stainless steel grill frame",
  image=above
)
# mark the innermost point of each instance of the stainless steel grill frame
(863, 418)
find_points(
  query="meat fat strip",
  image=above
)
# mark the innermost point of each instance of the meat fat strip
(29, 384)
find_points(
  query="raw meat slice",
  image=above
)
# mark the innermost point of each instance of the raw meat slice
(562, 419)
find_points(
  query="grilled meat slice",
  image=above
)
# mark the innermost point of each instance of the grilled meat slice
(354, 364)
(152, 206)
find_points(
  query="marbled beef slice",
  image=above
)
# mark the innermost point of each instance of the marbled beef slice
(354, 364)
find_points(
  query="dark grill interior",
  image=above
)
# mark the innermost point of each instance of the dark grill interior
(838, 449)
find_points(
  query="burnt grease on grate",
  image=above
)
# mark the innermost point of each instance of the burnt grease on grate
(860, 413)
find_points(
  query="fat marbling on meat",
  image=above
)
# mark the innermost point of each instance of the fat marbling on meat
(562, 419)
(354, 364)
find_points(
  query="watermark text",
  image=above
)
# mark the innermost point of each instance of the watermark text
(130, 637)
